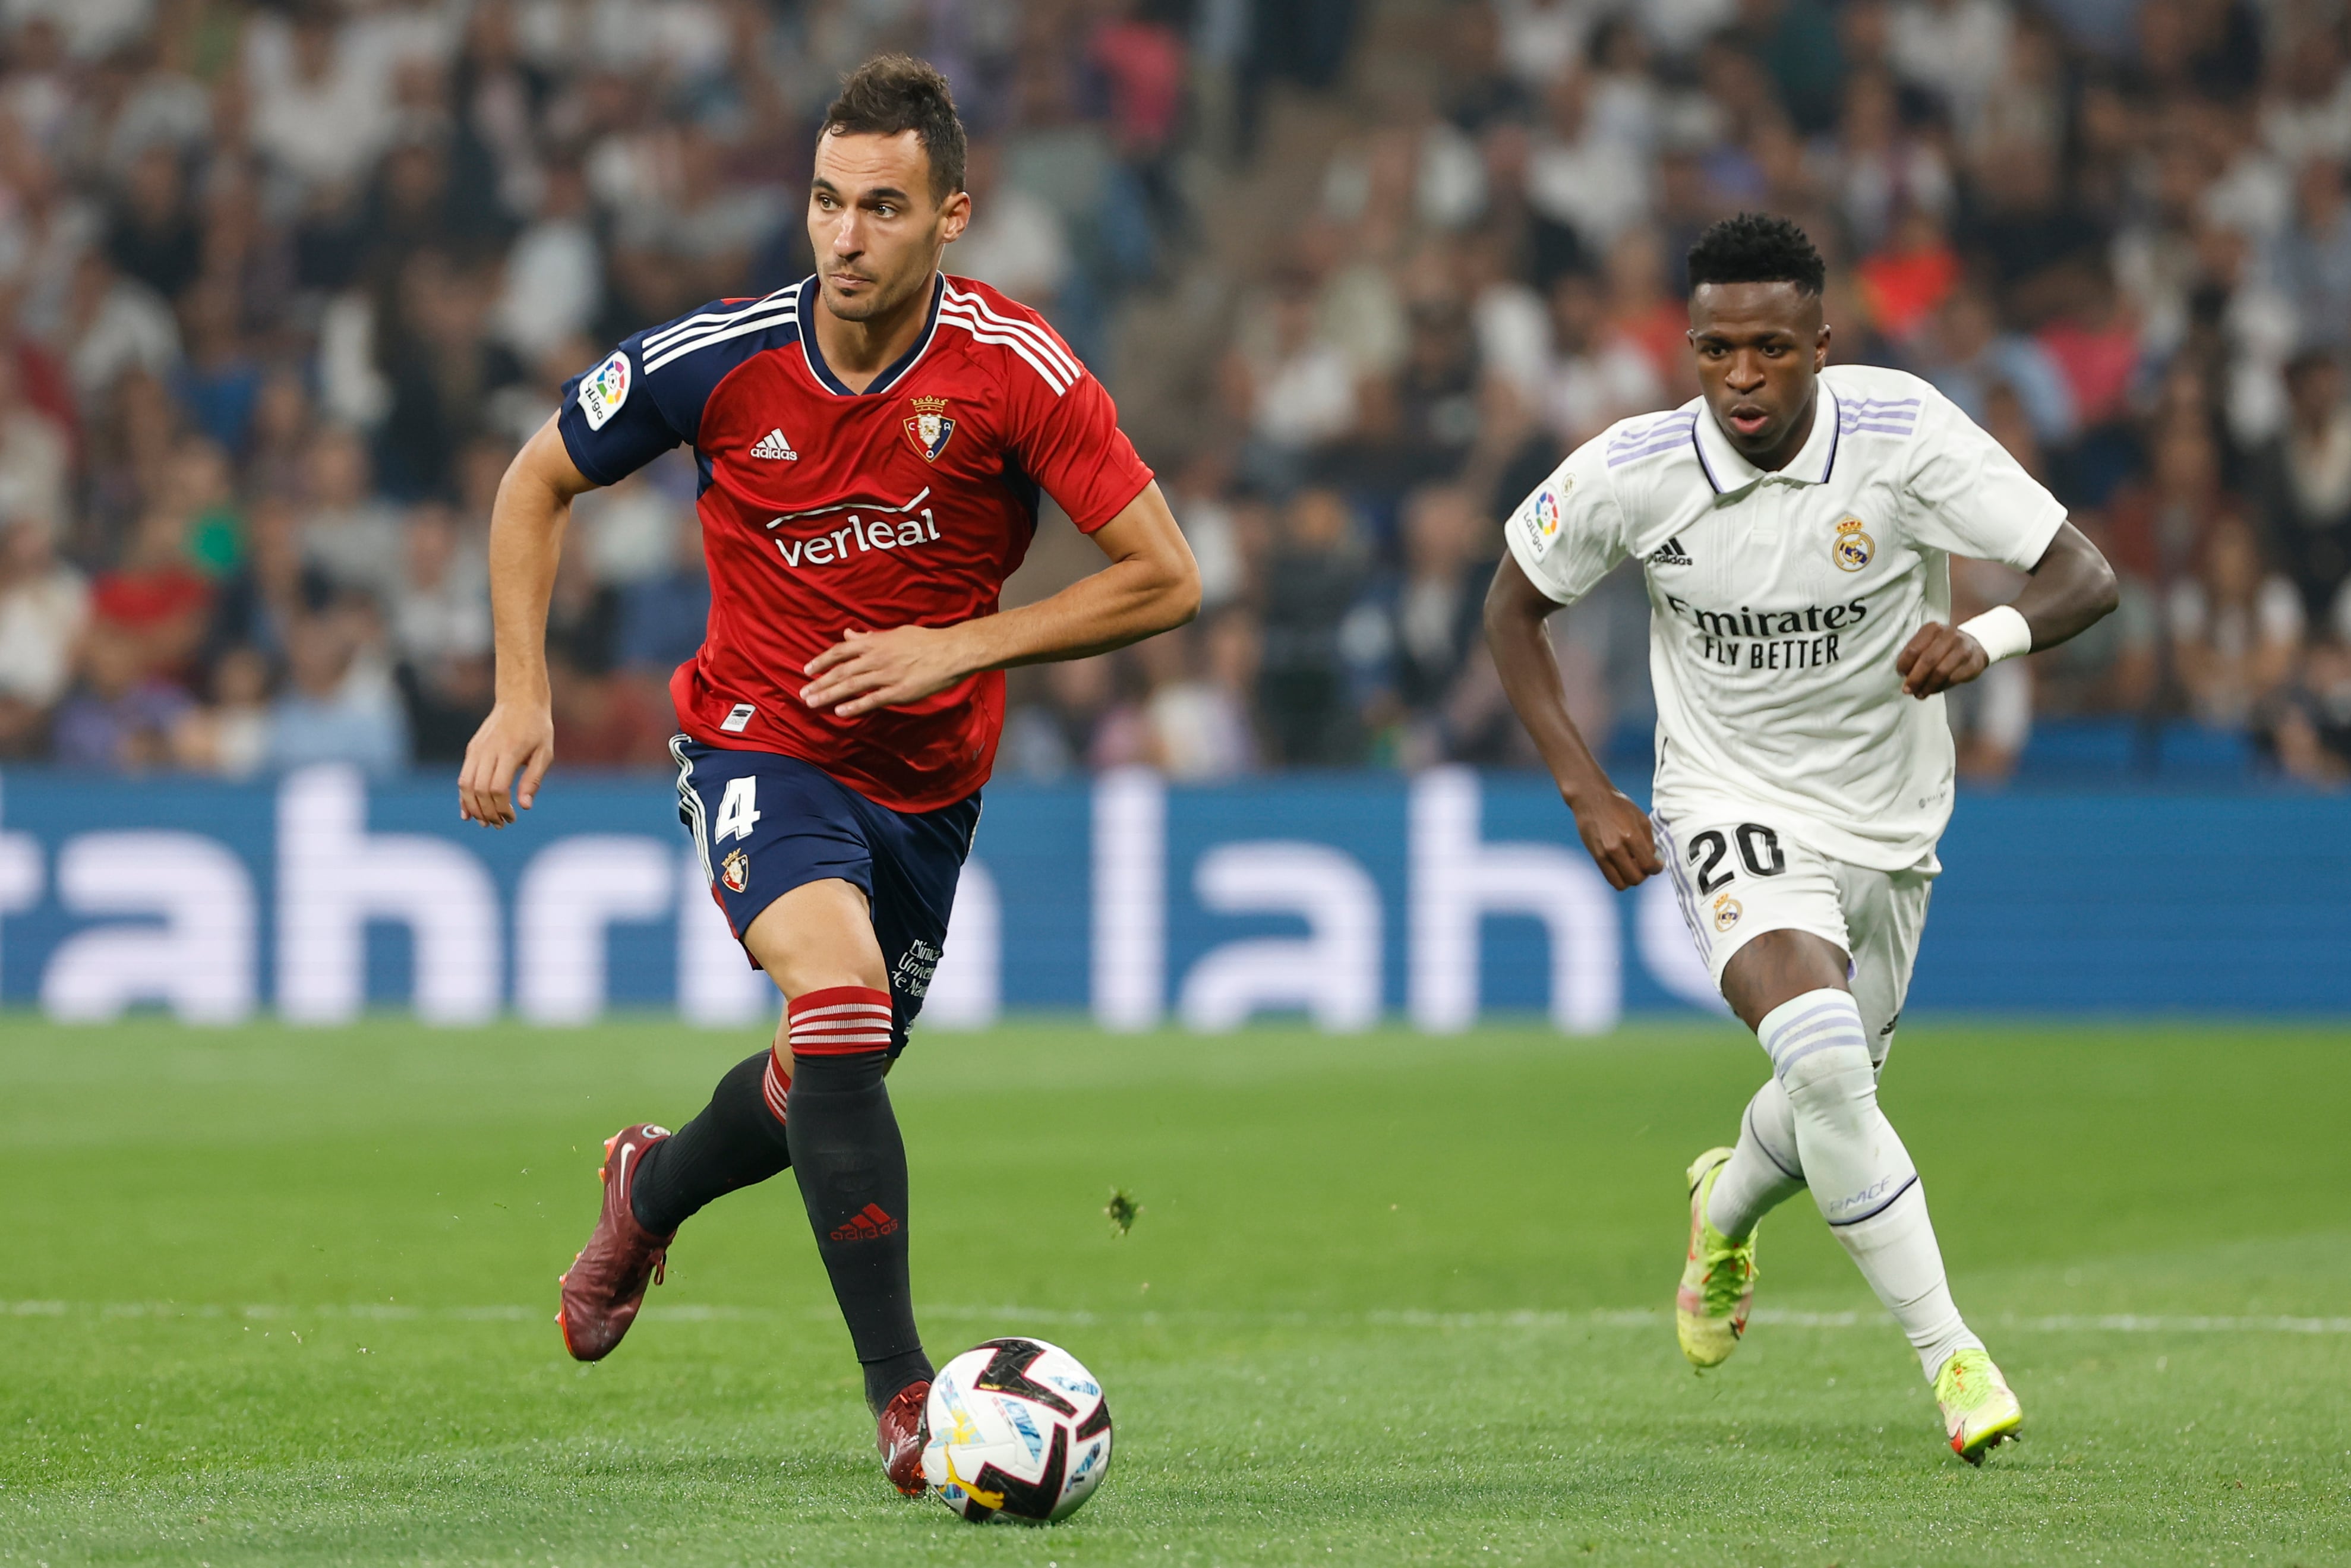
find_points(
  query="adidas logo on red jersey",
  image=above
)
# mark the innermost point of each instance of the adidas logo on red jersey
(868, 1224)
(775, 449)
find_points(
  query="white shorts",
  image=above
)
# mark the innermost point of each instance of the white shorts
(1740, 876)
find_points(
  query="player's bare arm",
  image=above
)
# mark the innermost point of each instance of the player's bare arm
(2071, 589)
(1615, 830)
(526, 527)
(1151, 585)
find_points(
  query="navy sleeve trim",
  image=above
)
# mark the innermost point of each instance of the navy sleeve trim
(649, 394)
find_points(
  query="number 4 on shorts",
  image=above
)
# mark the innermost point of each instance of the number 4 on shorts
(737, 811)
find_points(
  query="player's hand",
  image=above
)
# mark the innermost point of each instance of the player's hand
(1938, 657)
(868, 670)
(514, 737)
(1617, 833)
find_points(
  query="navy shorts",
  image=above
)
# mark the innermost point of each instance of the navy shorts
(767, 823)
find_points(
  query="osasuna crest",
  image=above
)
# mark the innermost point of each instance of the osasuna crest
(735, 871)
(929, 427)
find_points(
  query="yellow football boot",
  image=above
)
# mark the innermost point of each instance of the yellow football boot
(1718, 1280)
(1979, 1411)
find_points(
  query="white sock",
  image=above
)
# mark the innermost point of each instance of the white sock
(1763, 1171)
(1862, 1177)
(1895, 1250)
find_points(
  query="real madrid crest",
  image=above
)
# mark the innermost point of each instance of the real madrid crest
(1726, 913)
(929, 427)
(1852, 548)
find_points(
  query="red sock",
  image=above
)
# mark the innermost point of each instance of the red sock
(776, 1084)
(840, 1020)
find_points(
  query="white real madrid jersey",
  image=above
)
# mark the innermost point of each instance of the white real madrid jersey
(1779, 600)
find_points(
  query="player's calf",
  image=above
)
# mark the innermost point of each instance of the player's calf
(852, 1164)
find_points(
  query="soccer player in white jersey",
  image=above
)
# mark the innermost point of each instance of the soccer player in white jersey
(1796, 524)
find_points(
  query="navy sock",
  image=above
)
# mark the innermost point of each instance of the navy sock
(852, 1164)
(735, 1143)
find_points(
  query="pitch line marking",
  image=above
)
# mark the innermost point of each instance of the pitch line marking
(1604, 1318)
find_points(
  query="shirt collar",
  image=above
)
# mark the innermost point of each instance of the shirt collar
(1729, 473)
(810, 298)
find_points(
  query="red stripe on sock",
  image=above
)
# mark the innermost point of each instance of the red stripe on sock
(840, 1020)
(775, 1086)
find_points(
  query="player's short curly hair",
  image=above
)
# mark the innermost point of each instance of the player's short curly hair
(1757, 247)
(892, 94)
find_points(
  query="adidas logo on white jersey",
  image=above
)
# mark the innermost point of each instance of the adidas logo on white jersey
(1670, 553)
(774, 447)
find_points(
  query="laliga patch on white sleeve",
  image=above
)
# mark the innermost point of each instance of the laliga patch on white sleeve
(1540, 518)
(603, 390)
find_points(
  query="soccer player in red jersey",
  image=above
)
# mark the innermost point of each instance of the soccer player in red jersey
(872, 443)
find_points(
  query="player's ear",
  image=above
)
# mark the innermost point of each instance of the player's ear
(1821, 349)
(954, 215)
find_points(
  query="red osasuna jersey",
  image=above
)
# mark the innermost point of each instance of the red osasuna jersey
(825, 510)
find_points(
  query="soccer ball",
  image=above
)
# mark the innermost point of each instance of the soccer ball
(1019, 1431)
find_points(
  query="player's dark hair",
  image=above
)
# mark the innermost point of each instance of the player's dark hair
(892, 94)
(1757, 247)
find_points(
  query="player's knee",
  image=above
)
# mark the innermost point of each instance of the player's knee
(1830, 1080)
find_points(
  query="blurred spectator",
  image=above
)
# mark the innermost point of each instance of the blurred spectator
(220, 383)
(1873, 166)
(1299, 389)
(1051, 734)
(113, 324)
(2235, 630)
(441, 608)
(2117, 665)
(554, 285)
(1967, 356)
(2302, 482)
(349, 531)
(199, 488)
(44, 604)
(35, 459)
(1310, 585)
(1197, 710)
(1581, 175)
(151, 235)
(154, 604)
(2313, 258)
(1225, 534)
(1415, 631)
(338, 705)
(231, 736)
(256, 607)
(441, 635)
(319, 113)
(1015, 240)
(1955, 49)
(1598, 377)
(2160, 522)
(1904, 281)
(2311, 732)
(119, 717)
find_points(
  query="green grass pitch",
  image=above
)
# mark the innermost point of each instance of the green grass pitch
(277, 1296)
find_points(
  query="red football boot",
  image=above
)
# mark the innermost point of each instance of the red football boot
(900, 1433)
(606, 1282)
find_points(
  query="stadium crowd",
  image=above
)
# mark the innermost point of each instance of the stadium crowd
(282, 287)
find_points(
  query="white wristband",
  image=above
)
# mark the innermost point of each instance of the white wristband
(2001, 632)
